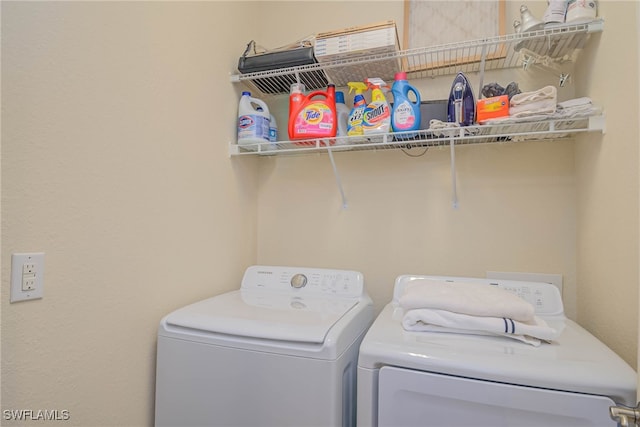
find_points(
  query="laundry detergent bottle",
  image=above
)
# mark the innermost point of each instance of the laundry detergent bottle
(313, 115)
(296, 96)
(342, 112)
(377, 116)
(354, 124)
(253, 121)
(405, 114)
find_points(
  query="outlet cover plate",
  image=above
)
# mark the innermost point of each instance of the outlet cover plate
(34, 260)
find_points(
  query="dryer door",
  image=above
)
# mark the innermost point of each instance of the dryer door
(412, 398)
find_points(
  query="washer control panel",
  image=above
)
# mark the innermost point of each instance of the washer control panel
(304, 281)
(299, 280)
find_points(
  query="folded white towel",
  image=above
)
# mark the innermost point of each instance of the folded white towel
(547, 92)
(542, 106)
(576, 108)
(577, 103)
(466, 298)
(429, 320)
(541, 101)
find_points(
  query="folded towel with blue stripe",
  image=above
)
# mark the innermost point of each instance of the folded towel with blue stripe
(531, 332)
(465, 298)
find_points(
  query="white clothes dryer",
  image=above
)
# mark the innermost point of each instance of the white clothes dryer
(452, 379)
(280, 351)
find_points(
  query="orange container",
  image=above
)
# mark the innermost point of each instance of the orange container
(491, 108)
(313, 115)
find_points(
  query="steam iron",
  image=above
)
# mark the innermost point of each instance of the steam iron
(462, 103)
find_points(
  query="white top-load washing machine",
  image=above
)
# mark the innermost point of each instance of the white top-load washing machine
(280, 351)
(452, 379)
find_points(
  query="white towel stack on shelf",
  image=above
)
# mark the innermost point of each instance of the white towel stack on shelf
(576, 108)
(440, 306)
(539, 102)
(541, 109)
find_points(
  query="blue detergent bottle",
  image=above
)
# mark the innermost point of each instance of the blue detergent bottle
(405, 114)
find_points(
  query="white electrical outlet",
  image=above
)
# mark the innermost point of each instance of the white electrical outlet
(554, 279)
(27, 276)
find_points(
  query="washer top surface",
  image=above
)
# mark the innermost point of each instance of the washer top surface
(576, 361)
(258, 314)
(277, 303)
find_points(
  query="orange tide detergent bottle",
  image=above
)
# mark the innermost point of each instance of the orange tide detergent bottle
(312, 116)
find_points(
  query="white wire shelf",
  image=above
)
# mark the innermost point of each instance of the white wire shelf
(478, 134)
(545, 47)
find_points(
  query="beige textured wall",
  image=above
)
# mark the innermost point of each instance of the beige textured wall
(607, 173)
(116, 118)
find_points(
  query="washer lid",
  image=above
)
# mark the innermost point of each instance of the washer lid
(264, 315)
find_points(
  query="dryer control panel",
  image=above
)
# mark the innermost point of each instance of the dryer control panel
(304, 281)
(544, 297)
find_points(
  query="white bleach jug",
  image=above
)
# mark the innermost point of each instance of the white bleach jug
(253, 121)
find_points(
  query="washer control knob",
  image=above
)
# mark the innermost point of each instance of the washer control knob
(298, 281)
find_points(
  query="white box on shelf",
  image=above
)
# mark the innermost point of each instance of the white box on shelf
(355, 42)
